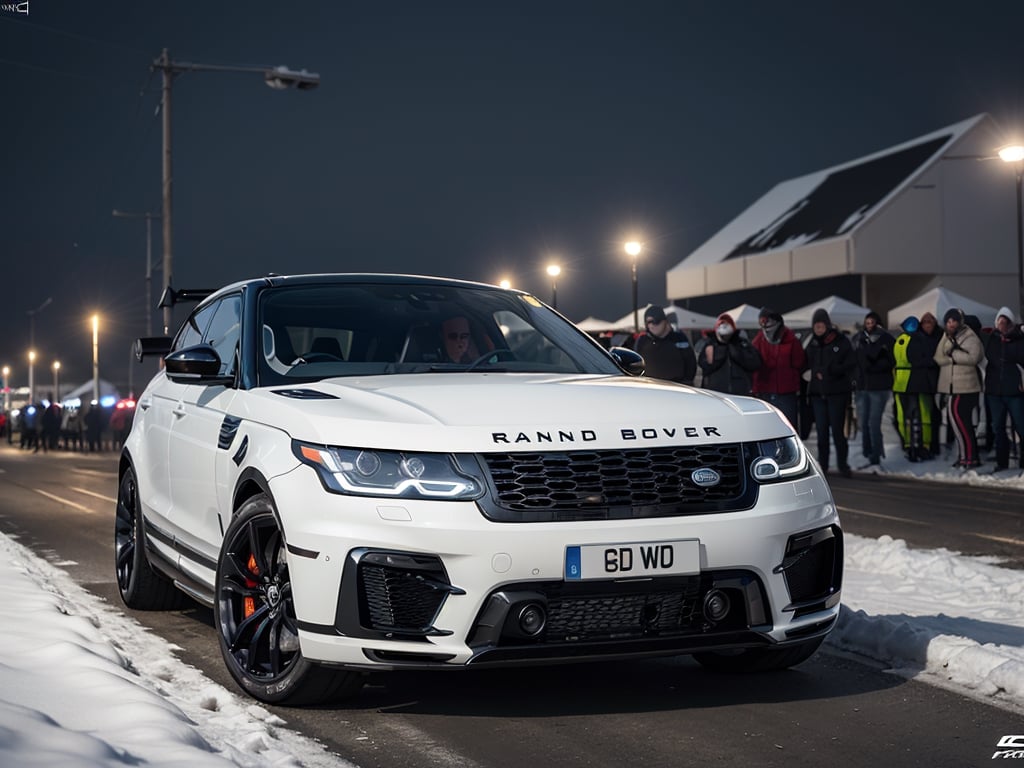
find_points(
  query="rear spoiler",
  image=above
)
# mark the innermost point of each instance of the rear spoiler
(161, 345)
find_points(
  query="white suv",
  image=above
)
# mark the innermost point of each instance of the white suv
(363, 472)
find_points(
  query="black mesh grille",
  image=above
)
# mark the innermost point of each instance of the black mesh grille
(643, 482)
(398, 599)
(619, 616)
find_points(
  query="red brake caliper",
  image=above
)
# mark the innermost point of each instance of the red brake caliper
(249, 603)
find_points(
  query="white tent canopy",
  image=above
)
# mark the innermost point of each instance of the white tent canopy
(595, 325)
(745, 316)
(843, 314)
(685, 319)
(688, 320)
(938, 301)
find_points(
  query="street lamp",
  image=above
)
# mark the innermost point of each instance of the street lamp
(1015, 154)
(505, 282)
(149, 260)
(554, 271)
(96, 358)
(633, 248)
(7, 390)
(56, 381)
(32, 321)
(31, 376)
(278, 78)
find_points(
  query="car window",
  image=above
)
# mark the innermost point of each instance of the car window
(223, 332)
(191, 332)
(310, 332)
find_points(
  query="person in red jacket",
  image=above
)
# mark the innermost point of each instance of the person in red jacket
(782, 361)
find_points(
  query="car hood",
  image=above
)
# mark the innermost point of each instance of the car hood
(505, 412)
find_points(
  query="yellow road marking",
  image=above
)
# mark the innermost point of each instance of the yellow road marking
(1002, 539)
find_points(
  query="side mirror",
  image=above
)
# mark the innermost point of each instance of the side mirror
(152, 345)
(195, 365)
(629, 361)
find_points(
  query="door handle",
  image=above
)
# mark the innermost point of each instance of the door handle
(178, 411)
(144, 404)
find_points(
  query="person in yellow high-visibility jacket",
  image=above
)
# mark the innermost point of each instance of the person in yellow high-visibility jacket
(914, 377)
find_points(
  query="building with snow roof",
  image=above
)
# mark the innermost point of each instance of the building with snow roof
(938, 210)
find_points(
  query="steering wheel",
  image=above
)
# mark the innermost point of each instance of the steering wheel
(496, 354)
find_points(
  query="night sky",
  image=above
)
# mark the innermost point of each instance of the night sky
(477, 140)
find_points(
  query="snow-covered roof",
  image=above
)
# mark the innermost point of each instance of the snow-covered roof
(828, 203)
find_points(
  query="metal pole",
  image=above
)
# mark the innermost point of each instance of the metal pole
(95, 358)
(56, 382)
(636, 303)
(168, 76)
(1020, 247)
(554, 294)
(149, 275)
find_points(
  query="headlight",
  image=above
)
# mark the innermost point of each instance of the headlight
(367, 472)
(778, 459)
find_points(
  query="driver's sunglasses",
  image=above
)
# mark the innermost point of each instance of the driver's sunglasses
(453, 336)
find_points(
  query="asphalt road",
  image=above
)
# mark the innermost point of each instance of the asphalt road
(667, 712)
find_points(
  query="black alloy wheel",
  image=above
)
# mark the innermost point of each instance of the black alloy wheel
(255, 615)
(139, 585)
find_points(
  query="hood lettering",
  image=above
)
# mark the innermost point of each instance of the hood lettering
(590, 435)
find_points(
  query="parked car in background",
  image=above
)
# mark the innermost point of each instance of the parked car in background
(361, 472)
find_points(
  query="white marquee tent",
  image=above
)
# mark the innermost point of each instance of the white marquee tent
(685, 319)
(843, 313)
(595, 325)
(938, 301)
(745, 316)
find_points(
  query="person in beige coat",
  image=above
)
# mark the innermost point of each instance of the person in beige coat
(958, 356)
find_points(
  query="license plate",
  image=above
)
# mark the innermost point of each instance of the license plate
(624, 561)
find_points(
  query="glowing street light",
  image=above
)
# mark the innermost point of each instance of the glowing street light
(96, 358)
(31, 376)
(7, 389)
(633, 248)
(56, 381)
(554, 271)
(278, 78)
(1015, 154)
(505, 283)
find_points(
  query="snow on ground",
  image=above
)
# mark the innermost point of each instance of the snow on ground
(84, 686)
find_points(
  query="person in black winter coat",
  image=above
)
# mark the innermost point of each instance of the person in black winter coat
(872, 348)
(1004, 388)
(831, 364)
(726, 359)
(667, 353)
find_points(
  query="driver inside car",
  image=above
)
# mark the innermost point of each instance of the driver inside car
(457, 341)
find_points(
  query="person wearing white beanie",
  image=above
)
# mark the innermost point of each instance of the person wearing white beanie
(1004, 383)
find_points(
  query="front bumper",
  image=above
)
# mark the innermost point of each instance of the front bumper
(398, 583)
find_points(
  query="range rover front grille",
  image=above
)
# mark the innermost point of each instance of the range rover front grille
(608, 484)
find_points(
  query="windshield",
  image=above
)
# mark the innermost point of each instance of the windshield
(318, 331)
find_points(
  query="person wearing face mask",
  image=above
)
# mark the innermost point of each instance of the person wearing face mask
(782, 361)
(1004, 388)
(831, 364)
(958, 356)
(726, 359)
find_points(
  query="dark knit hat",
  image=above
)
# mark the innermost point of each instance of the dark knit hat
(769, 314)
(953, 313)
(874, 316)
(821, 316)
(657, 314)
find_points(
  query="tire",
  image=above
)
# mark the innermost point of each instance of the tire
(758, 659)
(255, 616)
(140, 587)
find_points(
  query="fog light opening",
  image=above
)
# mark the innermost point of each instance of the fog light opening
(532, 618)
(716, 605)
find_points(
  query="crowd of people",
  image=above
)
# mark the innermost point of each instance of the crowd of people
(959, 374)
(48, 426)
